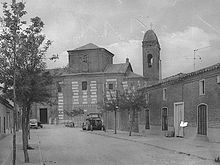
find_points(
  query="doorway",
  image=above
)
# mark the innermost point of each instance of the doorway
(4, 129)
(178, 117)
(164, 119)
(147, 118)
(43, 115)
(202, 119)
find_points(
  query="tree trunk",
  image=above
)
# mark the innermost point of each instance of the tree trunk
(24, 134)
(14, 136)
(115, 122)
(132, 122)
(28, 124)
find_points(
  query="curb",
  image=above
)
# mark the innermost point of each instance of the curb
(156, 146)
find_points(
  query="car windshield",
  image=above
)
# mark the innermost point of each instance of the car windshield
(33, 120)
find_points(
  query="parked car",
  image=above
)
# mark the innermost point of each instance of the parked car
(34, 123)
(70, 124)
(93, 123)
(39, 124)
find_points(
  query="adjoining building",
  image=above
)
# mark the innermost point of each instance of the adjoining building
(6, 117)
(192, 99)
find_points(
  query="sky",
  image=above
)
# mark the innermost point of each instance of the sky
(119, 26)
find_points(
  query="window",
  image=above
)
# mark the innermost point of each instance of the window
(59, 89)
(84, 85)
(218, 79)
(147, 98)
(164, 94)
(147, 117)
(150, 60)
(202, 87)
(164, 119)
(110, 86)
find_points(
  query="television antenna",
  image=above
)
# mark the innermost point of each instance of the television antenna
(194, 55)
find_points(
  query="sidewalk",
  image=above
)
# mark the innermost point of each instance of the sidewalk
(195, 148)
(6, 150)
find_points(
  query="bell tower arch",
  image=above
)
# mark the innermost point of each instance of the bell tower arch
(151, 57)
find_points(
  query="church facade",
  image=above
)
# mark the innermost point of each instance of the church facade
(89, 77)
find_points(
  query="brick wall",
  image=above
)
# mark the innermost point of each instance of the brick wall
(187, 91)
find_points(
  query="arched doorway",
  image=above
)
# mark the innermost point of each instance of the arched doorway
(202, 119)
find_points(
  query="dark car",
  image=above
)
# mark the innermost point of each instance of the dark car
(92, 123)
(39, 124)
(69, 124)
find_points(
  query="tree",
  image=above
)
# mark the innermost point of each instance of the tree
(133, 101)
(74, 112)
(22, 66)
(111, 104)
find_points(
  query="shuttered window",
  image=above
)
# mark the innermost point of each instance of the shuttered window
(202, 87)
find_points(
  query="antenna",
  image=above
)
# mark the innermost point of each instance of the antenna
(194, 55)
(151, 25)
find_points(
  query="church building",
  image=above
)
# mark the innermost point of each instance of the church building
(89, 77)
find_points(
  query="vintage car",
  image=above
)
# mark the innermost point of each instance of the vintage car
(92, 123)
(34, 123)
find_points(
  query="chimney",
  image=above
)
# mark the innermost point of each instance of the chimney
(127, 60)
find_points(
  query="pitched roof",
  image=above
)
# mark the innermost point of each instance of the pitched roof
(5, 102)
(56, 71)
(117, 68)
(173, 77)
(133, 75)
(88, 46)
(182, 76)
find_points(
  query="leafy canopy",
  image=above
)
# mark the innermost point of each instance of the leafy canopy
(23, 49)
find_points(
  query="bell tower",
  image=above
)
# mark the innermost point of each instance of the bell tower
(151, 57)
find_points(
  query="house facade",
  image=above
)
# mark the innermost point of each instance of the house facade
(6, 117)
